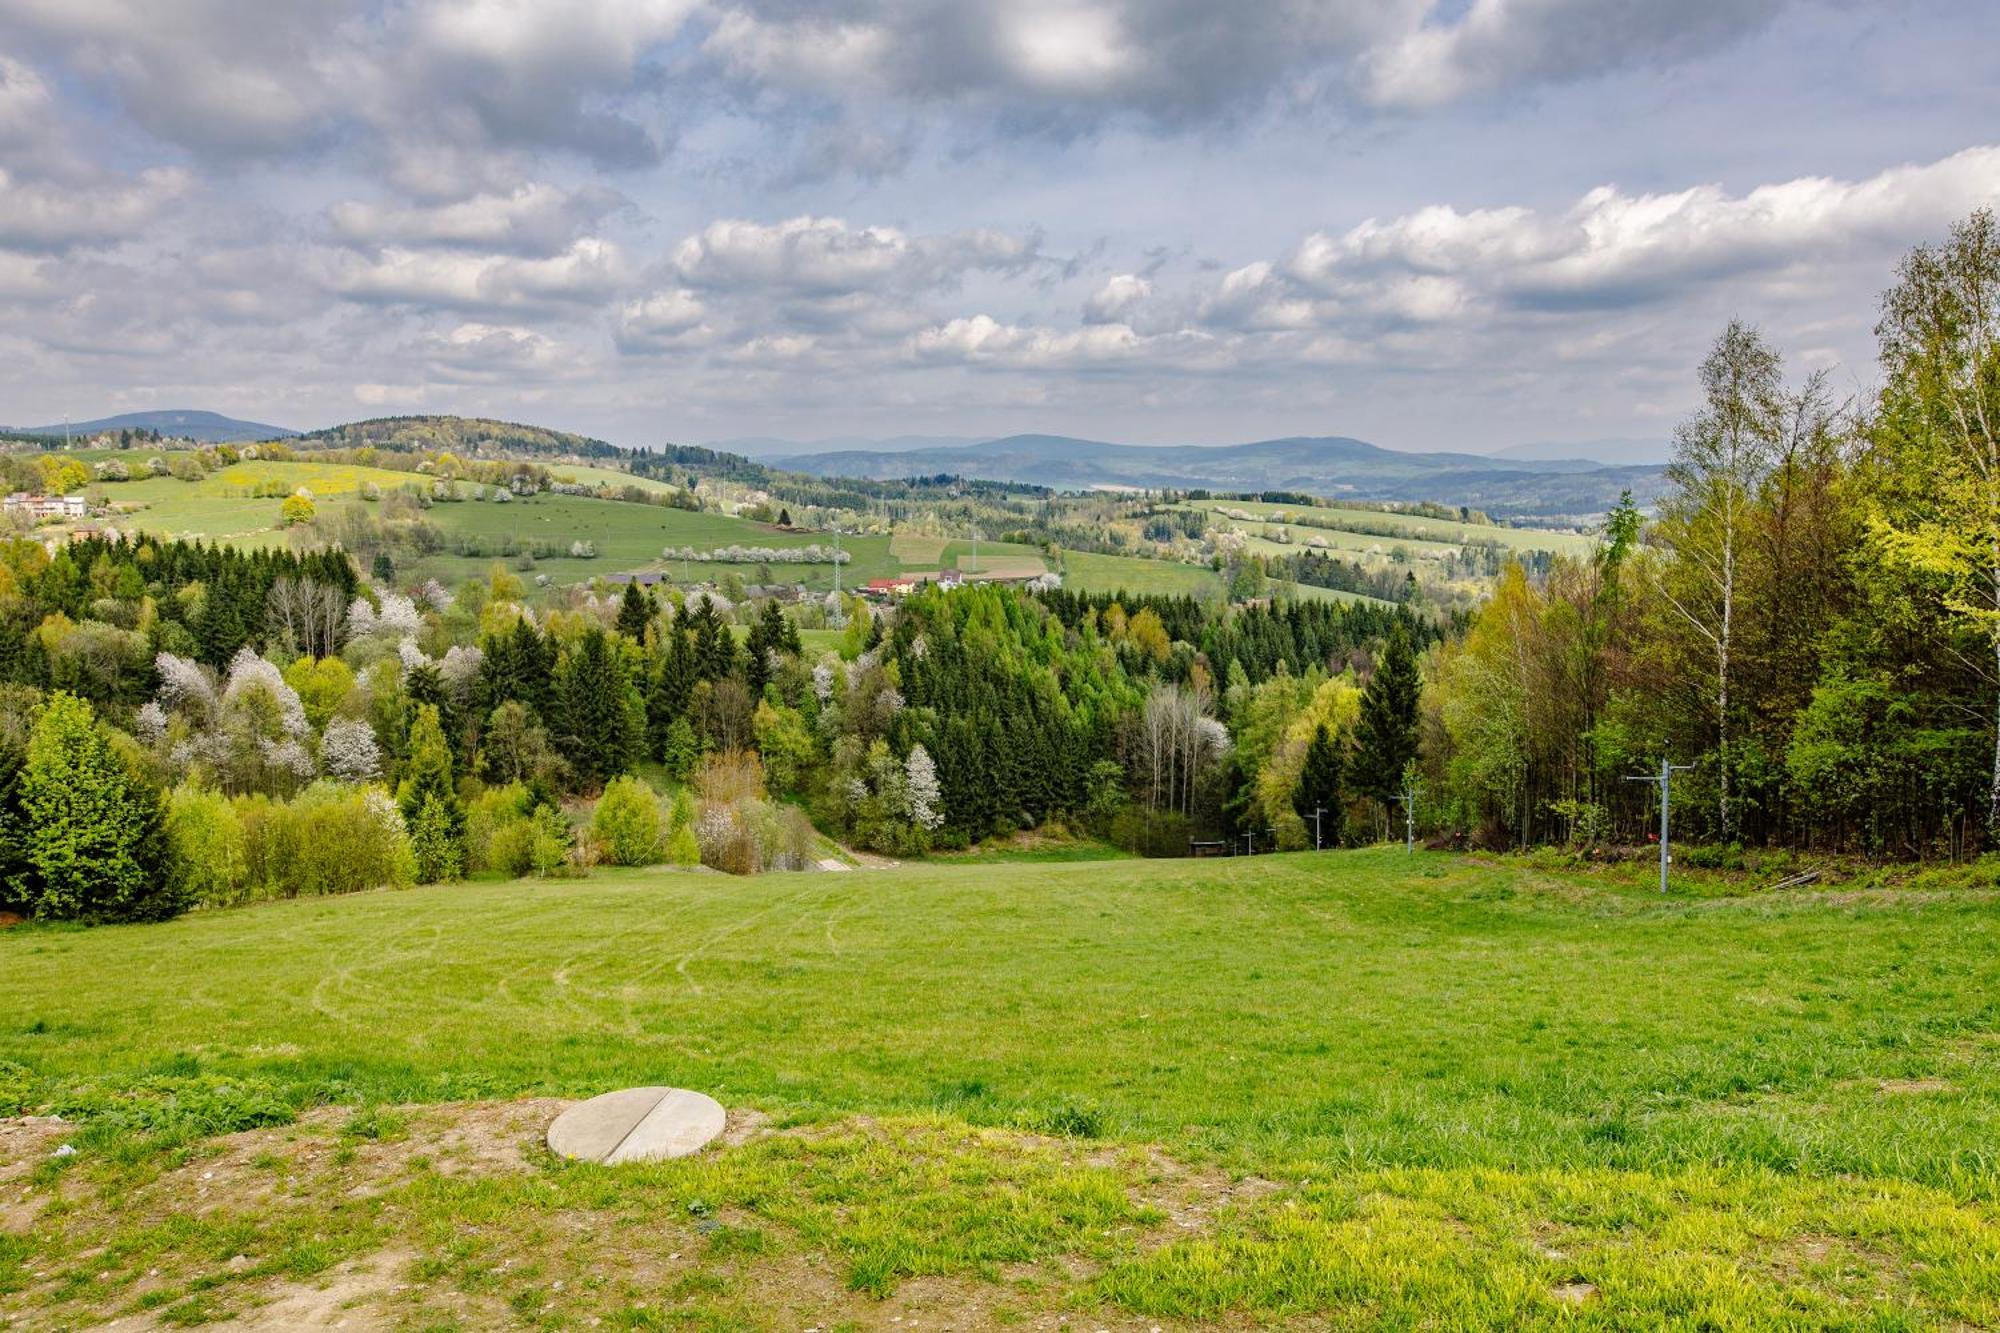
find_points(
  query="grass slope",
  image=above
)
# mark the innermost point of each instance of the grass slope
(1448, 1093)
(1416, 531)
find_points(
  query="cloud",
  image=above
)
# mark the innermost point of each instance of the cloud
(47, 216)
(477, 353)
(1614, 249)
(228, 79)
(587, 273)
(1115, 300)
(1492, 45)
(825, 256)
(532, 219)
(663, 321)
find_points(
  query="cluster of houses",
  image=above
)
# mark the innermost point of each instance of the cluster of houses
(36, 508)
(875, 590)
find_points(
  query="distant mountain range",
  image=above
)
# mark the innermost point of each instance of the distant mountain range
(1621, 451)
(1335, 466)
(207, 427)
(769, 446)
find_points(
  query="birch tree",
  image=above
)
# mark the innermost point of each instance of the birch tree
(1936, 435)
(1720, 454)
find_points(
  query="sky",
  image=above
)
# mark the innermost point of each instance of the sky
(1460, 224)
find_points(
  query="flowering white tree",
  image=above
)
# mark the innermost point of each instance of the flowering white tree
(921, 786)
(460, 668)
(249, 673)
(360, 617)
(185, 687)
(398, 614)
(348, 750)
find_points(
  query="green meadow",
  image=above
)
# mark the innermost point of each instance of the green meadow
(1351, 529)
(1358, 1089)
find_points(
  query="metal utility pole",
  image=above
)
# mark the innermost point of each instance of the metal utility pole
(1665, 778)
(1318, 844)
(1410, 816)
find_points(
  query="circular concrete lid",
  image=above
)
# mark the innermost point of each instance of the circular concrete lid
(636, 1125)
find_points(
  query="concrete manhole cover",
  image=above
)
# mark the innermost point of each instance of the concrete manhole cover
(636, 1125)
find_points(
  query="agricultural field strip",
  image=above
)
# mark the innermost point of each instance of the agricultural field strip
(1418, 529)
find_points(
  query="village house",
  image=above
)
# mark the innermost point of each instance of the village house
(39, 507)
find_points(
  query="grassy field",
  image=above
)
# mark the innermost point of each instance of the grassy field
(1417, 531)
(1357, 1089)
(1084, 571)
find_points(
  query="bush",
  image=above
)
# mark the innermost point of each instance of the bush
(206, 863)
(726, 842)
(496, 829)
(626, 823)
(332, 838)
(549, 844)
(436, 846)
(730, 777)
(682, 849)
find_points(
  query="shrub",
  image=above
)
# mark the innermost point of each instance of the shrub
(682, 849)
(436, 845)
(626, 823)
(726, 841)
(332, 838)
(730, 777)
(549, 845)
(492, 823)
(511, 849)
(206, 863)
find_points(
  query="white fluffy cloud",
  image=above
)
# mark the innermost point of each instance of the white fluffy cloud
(822, 256)
(48, 215)
(1613, 249)
(534, 218)
(588, 272)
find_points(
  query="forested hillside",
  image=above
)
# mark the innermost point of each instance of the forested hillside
(1809, 624)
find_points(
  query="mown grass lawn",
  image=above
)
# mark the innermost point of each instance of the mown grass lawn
(1356, 1087)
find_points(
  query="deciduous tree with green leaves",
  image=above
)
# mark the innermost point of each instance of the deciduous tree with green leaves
(1936, 432)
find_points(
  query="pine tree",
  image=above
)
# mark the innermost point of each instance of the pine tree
(1319, 786)
(1387, 733)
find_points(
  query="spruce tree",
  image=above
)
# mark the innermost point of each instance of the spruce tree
(680, 749)
(92, 840)
(670, 685)
(1319, 785)
(594, 716)
(1387, 734)
(429, 801)
(635, 612)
